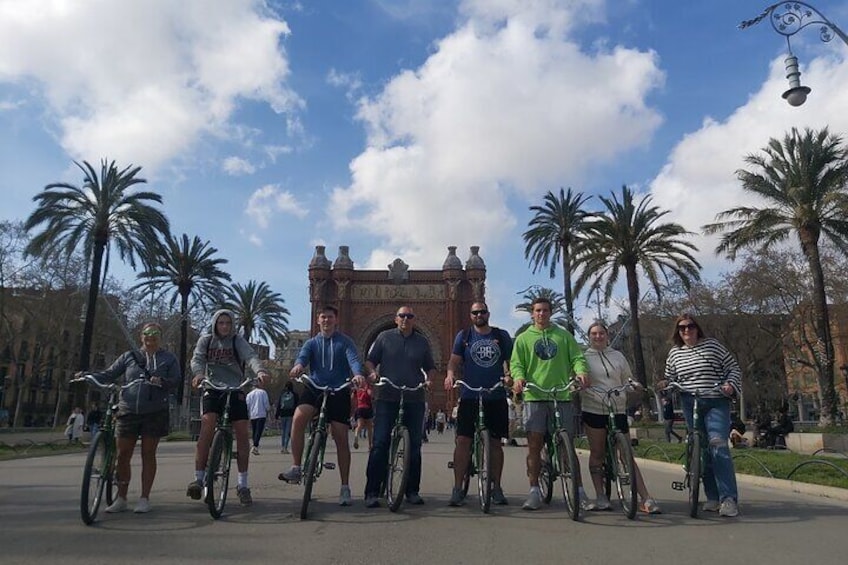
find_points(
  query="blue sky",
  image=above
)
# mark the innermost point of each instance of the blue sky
(399, 127)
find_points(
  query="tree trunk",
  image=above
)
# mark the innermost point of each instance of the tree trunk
(183, 347)
(635, 333)
(566, 284)
(823, 350)
(91, 308)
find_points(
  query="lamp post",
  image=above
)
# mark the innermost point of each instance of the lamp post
(787, 19)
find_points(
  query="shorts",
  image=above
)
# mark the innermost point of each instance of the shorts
(338, 405)
(214, 401)
(539, 417)
(154, 424)
(495, 416)
(599, 421)
(364, 414)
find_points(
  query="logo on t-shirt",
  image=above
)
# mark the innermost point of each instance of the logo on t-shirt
(485, 353)
(545, 349)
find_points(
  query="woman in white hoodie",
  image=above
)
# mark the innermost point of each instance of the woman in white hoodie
(608, 369)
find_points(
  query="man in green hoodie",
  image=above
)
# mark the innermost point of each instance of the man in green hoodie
(547, 356)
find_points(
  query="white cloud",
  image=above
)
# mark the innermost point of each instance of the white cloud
(274, 151)
(505, 104)
(141, 83)
(237, 166)
(270, 199)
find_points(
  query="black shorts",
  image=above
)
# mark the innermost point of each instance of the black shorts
(599, 421)
(155, 424)
(364, 414)
(214, 400)
(338, 405)
(495, 416)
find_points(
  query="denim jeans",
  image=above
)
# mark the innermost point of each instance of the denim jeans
(285, 431)
(258, 427)
(714, 420)
(385, 413)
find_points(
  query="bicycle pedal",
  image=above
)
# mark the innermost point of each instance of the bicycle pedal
(678, 485)
(329, 466)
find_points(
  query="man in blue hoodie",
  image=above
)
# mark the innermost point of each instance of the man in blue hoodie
(332, 358)
(222, 345)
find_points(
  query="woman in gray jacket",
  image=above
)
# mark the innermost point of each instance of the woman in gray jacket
(142, 410)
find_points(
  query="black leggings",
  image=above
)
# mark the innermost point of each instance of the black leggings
(258, 426)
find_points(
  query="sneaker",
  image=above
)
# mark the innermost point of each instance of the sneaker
(534, 501)
(244, 496)
(711, 506)
(293, 475)
(344, 496)
(728, 508)
(255, 451)
(601, 503)
(650, 506)
(584, 502)
(143, 506)
(498, 497)
(195, 490)
(356, 442)
(414, 498)
(457, 498)
(119, 505)
(372, 502)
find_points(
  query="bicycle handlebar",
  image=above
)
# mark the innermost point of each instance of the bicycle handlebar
(89, 378)
(384, 381)
(306, 379)
(478, 388)
(226, 388)
(674, 385)
(571, 386)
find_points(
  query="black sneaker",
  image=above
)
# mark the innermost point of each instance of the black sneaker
(194, 490)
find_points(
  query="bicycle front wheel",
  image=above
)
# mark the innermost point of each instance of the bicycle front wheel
(398, 472)
(693, 472)
(218, 473)
(624, 468)
(310, 473)
(96, 477)
(569, 473)
(484, 470)
(546, 477)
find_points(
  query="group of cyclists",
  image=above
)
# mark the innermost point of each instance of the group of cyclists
(544, 354)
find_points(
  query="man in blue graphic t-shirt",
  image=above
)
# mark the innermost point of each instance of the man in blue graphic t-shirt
(483, 352)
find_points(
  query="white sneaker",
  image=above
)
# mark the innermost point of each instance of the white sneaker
(601, 503)
(344, 496)
(728, 508)
(534, 500)
(143, 506)
(255, 451)
(119, 505)
(711, 506)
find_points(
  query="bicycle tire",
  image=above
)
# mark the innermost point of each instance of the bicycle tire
(569, 473)
(218, 473)
(484, 470)
(466, 479)
(398, 470)
(693, 472)
(95, 475)
(310, 472)
(546, 477)
(625, 474)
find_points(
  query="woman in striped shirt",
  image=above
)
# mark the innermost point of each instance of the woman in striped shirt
(699, 364)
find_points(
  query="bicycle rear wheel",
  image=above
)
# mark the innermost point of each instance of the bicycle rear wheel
(398, 471)
(569, 473)
(96, 477)
(693, 472)
(625, 474)
(218, 473)
(311, 471)
(484, 470)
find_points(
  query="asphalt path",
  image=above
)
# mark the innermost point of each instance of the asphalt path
(40, 522)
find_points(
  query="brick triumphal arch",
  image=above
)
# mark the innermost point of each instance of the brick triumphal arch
(368, 299)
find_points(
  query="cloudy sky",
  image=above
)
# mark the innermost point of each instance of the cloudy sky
(399, 127)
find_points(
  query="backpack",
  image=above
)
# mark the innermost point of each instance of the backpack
(287, 400)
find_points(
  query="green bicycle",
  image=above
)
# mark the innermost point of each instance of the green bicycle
(220, 457)
(481, 458)
(619, 464)
(98, 476)
(559, 458)
(316, 443)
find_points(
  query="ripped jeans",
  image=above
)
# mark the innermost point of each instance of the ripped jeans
(714, 420)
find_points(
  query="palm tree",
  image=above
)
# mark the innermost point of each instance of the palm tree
(259, 309)
(629, 235)
(102, 212)
(186, 269)
(552, 235)
(802, 184)
(559, 315)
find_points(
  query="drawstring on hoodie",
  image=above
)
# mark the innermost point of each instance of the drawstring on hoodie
(323, 361)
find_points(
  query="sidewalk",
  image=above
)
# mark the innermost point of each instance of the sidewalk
(12, 436)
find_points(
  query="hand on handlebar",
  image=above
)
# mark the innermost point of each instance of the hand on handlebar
(197, 381)
(450, 382)
(518, 386)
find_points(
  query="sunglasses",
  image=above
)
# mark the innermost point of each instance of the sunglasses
(479, 312)
(684, 327)
(150, 332)
(406, 316)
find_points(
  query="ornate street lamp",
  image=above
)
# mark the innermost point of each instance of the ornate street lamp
(787, 19)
